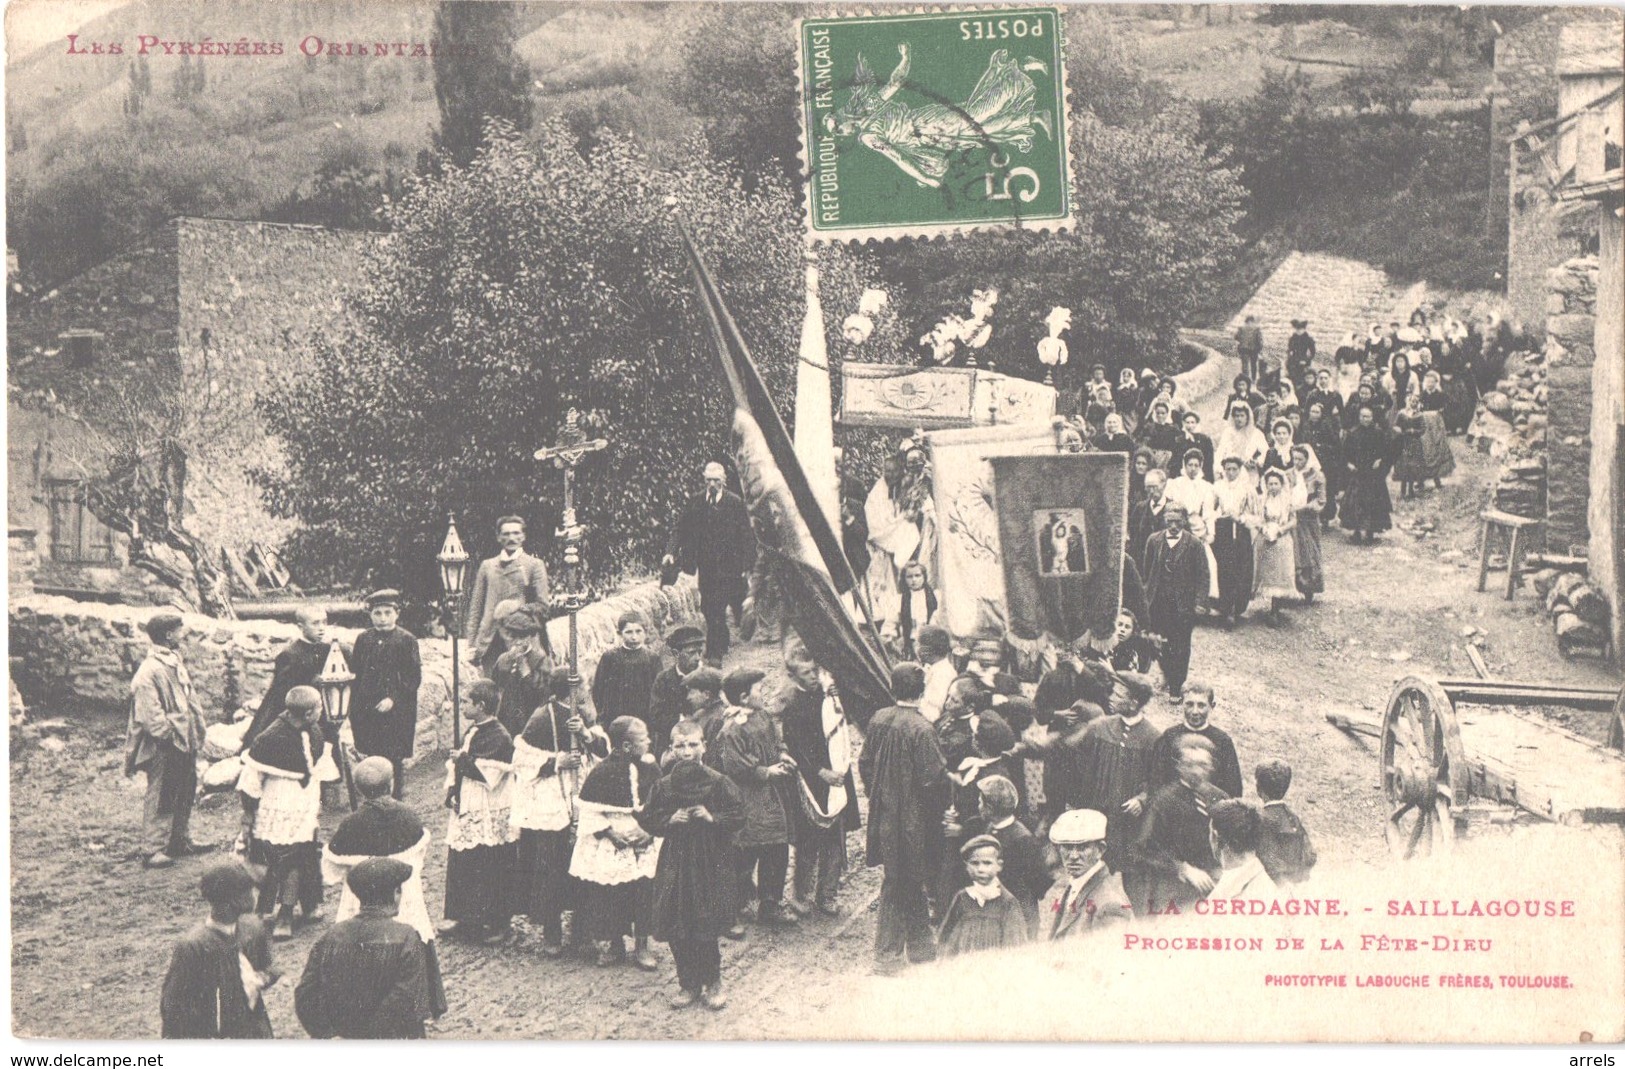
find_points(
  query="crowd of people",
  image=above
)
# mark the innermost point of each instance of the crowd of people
(664, 801)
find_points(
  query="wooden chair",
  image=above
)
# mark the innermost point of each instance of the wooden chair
(1512, 528)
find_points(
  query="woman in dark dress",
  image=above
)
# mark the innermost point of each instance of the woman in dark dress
(1368, 455)
(1326, 437)
(1127, 397)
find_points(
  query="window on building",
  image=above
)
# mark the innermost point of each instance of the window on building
(77, 537)
(83, 347)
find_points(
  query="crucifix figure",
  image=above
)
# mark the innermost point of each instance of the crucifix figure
(571, 448)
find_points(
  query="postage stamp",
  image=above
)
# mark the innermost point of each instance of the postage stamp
(920, 124)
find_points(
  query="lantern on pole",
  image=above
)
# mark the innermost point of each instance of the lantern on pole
(453, 561)
(334, 687)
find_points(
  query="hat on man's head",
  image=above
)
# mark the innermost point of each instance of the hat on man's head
(380, 598)
(1078, 826)
(163, 622)
(684, 637)
(704, 678)
(224, 881)
(377, 878)
(981, 842)
(737, 684)
(1300, 323)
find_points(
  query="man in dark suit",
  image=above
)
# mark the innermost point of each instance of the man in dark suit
(1145, 516)
(1175, 578)
(713, 538)
(906, 780)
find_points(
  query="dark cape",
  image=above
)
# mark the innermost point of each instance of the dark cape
(480, 879)
(382, 827)
(367, 978)
(297, 665)
(203, 995)
(696, 882)
(386, 665)
(279, 746)
(907, 783)
(1165, 757)
(968, 926)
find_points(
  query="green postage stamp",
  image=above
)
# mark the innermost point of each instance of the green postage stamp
(919, 124)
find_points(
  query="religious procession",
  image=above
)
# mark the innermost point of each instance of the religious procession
(636, 561)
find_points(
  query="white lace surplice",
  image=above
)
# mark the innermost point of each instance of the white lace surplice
(482, 816)
(288, 812)
(596, 858)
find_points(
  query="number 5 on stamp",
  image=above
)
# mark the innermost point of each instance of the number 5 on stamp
(915, 125)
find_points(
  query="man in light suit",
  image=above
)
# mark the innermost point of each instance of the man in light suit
(713, 538)
(512, 574)
(165, 732)
(1088, 896)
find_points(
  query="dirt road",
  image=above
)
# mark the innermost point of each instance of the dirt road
(91, 930)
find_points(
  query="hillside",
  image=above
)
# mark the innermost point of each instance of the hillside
(159, 135)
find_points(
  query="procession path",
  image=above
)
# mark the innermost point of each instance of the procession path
(91, 930)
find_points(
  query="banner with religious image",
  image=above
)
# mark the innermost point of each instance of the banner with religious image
(970, 577)
(1061, 521)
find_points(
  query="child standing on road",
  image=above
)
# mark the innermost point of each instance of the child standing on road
(1283, 842)
(983, 916)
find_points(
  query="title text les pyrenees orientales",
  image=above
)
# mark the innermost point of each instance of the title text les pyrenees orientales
(147, 44)
(1530, 908)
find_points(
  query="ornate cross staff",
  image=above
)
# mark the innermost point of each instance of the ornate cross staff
(571, 449)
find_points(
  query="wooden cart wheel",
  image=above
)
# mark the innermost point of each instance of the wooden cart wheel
(1424, 769)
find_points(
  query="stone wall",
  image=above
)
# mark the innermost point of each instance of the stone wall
(1570, 356)
(1607, 511)
(68, 655)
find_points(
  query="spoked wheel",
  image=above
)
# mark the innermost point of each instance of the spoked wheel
(1423, 769)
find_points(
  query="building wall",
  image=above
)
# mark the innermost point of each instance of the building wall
(1570, 360)
(1606, 556)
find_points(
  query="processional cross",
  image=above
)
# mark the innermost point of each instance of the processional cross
(571, 449)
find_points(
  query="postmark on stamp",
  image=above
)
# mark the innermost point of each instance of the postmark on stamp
(921, 124)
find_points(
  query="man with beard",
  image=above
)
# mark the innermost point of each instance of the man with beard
(1198, 710)
(1145, 517)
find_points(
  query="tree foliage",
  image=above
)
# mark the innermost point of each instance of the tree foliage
(535, 280)
(477, 76)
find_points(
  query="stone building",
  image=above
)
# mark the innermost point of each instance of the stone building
(201, 308)
(1548, 72)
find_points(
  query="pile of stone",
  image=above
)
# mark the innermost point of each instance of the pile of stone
(1578, 610)
(1511, 426)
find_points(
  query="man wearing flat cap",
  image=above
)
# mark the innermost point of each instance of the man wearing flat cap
(668, 701)
(1088, 896)
(220, 968)
(385, 828)
(511, 575)
(522, 671)
(367, 977)
(388, 670)
(713, 539)
(165, 731)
